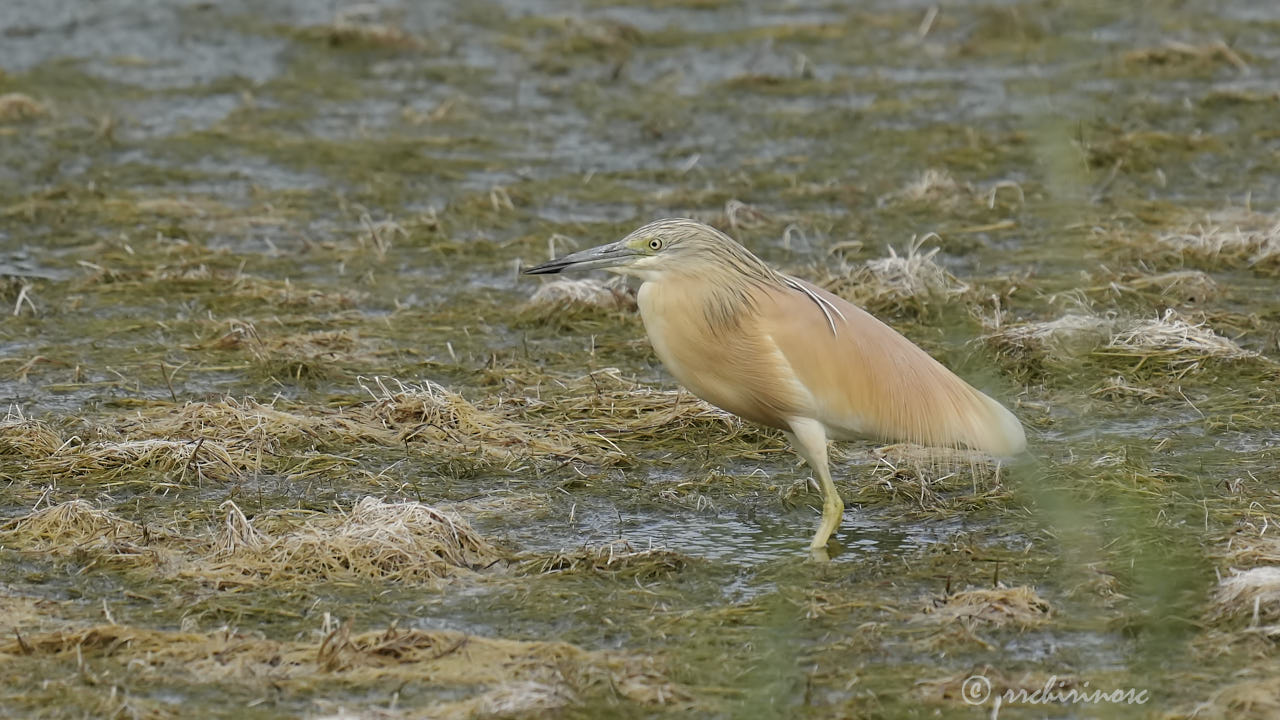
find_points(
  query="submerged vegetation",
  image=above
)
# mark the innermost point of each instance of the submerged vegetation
(286, 434)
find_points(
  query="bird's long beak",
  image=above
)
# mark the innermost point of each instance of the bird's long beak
(611, 255)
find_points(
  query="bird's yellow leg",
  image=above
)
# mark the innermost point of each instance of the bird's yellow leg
(832, 511)
(809, 439)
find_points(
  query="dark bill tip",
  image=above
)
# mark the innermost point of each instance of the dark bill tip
(547, 268)
(605, 256)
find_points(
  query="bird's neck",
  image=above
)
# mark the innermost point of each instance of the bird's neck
(721, 302)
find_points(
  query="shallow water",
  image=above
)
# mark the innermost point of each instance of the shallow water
(190, 149)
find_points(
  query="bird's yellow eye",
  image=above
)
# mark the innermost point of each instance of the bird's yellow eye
(655, 244)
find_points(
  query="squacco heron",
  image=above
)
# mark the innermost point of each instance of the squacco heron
(782, 352)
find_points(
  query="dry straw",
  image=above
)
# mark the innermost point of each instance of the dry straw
(231, 438)
(1170, 338)
(78, 528)
(1175, 52)
(17, 106)
(303, 356)
(26, 437)
(358, 27)
(521, 699)
(568, 295)
(499, 673)
(610, 407)
(897, 282)
(1019, 607)
(110, 461)
(617, 559)
(934, 187)
(72, 525)
(1169, 341)
(1250, 550)
(246, 422)
(428, 411)
(1072, 330)
(396, 541)
(1244, 239)
(1247, 699)
(1252, 593)
(1181, 286)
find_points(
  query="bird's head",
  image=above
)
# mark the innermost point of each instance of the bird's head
(661, 246)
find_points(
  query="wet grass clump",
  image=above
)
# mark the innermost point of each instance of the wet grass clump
(1020, 607)
(17, 107)
(497, 676)
(1247, 240)
(905, 283)
(358, 29)
(400, 542)
(404, 542)
(1168, 346)
(1180, 57)
(615, 560)
(561, 303)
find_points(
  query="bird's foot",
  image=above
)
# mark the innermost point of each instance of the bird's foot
(824, 552)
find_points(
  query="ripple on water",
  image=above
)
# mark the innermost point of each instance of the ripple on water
(732, 539)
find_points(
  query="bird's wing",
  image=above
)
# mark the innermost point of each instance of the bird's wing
(867, 380)
(736, 368)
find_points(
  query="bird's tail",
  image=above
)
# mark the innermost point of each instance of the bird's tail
(1003, 435)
